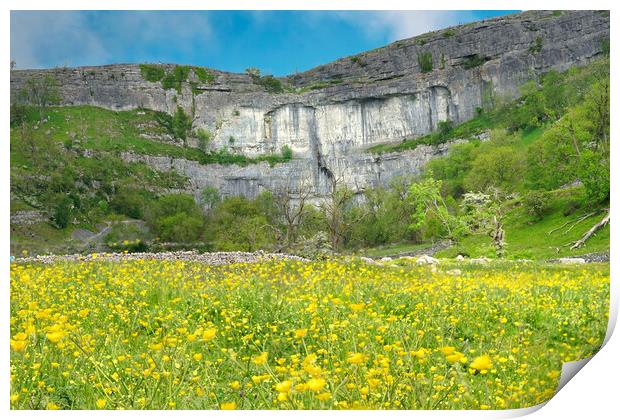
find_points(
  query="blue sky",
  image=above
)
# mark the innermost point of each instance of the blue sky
(277, 42)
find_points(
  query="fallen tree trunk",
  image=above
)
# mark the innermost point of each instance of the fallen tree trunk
(593, 229)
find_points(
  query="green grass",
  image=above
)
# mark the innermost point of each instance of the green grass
(530, 239)
(392, 249)
(104, 130)
(148, 334)
(462, 131)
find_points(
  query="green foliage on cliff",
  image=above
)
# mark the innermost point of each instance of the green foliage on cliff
(473, 61)
(425, 61)
(152, 73)
(174, 78)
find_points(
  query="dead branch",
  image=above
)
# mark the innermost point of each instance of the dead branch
(592, 231)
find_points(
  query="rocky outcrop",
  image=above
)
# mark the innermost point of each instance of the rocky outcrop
(330, 114)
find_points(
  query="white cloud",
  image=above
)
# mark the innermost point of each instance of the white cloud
(44, 39)
(400, 24)
(36, 35)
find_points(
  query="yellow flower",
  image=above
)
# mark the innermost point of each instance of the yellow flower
(481, 363)
(456, 357)
(356, 358)
(18, 345)
(228, 406)
(324, 396)
(52, 406)
(209, 334)
(235, 385)
(55, 337)
(14, 397)
(197, 357)
(355, 307)
(100, 403)
(284, 386)
(282, 396)
(301, 333)
(315, 384)
(447, 350)
(261, 359)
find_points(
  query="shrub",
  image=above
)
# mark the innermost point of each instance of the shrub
(180, 227)
(203, 75)
(571, 207)
(128, 202)
(271, 84)
(473, 61)
(136, 245)
(62, 212)
(425, 61)
(537, 47)
(287, 153)
(536, 204)
(204, 138)
(152, 72)
(178, 125)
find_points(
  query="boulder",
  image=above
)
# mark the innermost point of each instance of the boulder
(460, 257)
(481, 260)
(569, 260)
(426, 260)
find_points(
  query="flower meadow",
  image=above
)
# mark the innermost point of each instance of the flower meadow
(334, 334)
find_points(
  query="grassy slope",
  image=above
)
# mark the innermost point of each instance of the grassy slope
(528, 239)
(525, 238)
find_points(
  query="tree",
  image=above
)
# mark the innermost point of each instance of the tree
(486, 212)
(40, 91)
(291, 200)
(334, 207)
(427, 201)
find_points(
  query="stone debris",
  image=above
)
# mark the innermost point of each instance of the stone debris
(211, 258)
(481, 260)
(426, 260)
(460, 257)
(386, 259)
(28, 217)
(569, 260)
(454, 272)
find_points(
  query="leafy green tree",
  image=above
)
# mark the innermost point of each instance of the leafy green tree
(180, 227)
(427, 201)
(485, 213)
(40, 92)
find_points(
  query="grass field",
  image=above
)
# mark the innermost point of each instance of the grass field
(330, 334)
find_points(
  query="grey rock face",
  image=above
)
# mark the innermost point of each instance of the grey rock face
(376, 97)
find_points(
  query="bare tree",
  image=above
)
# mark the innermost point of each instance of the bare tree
(40, 92)
(291, 200)
(334, 208)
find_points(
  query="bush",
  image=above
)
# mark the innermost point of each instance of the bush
(178, 125)
(180, 227)
(128, 202)
(136, 245)
(204, 138)
(287, 153)
(536, 204)
(571, 207)
(152, 72)
(473, 61)
(203, 75)
(425, 61)
(271, 84)
(62, 213)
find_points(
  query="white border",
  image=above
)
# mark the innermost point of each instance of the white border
(595, 390)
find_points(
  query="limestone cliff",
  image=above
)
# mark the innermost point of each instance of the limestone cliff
(330, 114)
